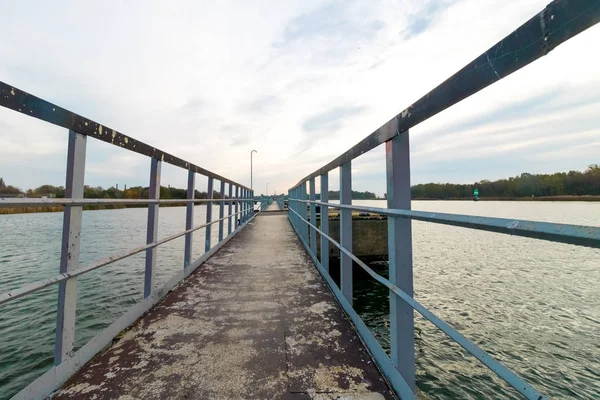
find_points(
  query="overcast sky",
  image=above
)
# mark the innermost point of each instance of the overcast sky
(299, 81)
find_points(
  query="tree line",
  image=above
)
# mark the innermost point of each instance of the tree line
(335, 195)
(98, 192)
(8, 189)
(572, 183)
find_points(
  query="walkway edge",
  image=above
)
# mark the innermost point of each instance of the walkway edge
(55, 377)
(378, 355)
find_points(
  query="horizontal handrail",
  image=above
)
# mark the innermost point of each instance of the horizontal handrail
(33, 106)
(555, 24)
(587, 236)
(35, 202)
(39, 285)
(507, 375)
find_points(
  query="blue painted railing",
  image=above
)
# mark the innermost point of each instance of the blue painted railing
(238, 200)
(265, 201)
(280, 202)
(558, 22)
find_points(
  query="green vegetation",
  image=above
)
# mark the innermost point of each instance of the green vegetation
(559, 185)
(98, 192)
(8, 191)
(335, 195)
(572, 185)
(90, 192)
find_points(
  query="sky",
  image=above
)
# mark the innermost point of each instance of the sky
(299, 81)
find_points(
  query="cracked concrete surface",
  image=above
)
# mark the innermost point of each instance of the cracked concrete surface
(256, 321)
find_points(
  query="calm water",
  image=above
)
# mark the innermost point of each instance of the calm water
(533, 305)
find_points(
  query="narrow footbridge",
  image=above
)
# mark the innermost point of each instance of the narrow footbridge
(255, 322)
(258, 316)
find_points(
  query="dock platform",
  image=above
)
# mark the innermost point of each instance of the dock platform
(256, 321)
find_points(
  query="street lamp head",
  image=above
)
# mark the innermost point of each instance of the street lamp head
(253, 151)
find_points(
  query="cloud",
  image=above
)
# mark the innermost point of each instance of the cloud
(329, 34)
(332, 22)
(330, 121)
(194, 106)
(422, 20)
(235, 134)
(261, 104)
(299, 81)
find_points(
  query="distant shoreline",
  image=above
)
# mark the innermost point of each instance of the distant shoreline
(545, 198)
(50, 209)
(47, 209)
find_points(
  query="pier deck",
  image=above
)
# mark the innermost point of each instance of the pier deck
(256, 321)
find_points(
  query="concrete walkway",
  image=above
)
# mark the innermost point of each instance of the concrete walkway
(273, 207)
(256, 321)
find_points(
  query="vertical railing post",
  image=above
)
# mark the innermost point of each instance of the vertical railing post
(313, 216)
(297, 209)
(250, 204)
(221, 211)
(237, 203)
(189, 219)
(208, 214)
(243, 206)
(325, 221)
(229, 204)
(292, 204)
(246, 195)
(304, 212)
(152, 229)
(400, 257)
(69, 257)
(346, 230)
(292, 207)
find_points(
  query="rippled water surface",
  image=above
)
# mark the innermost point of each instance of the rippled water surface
(533, 305)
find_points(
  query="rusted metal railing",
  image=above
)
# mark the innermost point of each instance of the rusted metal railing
(66, 360)
(558, 22)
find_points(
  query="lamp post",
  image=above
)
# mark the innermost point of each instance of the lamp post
(267, 188)
(253, 151)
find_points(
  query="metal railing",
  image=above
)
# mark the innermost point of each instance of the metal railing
(280, 202)
(265, 201)
(558, 22)
(239, 203)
